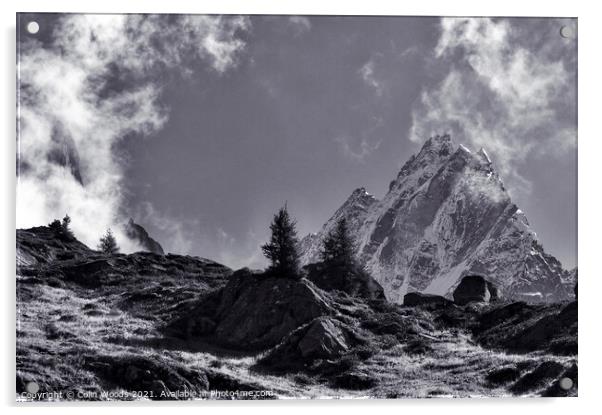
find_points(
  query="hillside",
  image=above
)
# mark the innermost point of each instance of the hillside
(147, 326)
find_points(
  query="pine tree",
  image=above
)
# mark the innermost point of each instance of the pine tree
(66, 229)
(61, 230)
(337, 251)
(282, 248)
(56, 227)
(108, 244)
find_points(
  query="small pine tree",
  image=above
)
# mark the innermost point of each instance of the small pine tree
(66, 229)
(108, 244)
(282, 248)
(61, 229)
(338, 247)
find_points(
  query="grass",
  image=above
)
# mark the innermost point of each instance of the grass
(66, 334)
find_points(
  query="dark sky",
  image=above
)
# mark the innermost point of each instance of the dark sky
(314, 107)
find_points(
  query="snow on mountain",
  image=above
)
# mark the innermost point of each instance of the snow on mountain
(446, 215)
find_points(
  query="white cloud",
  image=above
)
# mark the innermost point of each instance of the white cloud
(503, 91)
(358, 149)
(300, 24)
(70, 117)
(367, 74)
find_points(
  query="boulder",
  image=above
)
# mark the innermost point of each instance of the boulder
(354, 381)
(322, 338)
(494, 292)
(417, 299)
(145, 373)
(257, 311)
(472, 288)
(541, 376)
(356, 283)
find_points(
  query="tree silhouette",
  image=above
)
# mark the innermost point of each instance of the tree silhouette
(56, 227)
(338, 247)
(108, 244)
(66, 227)
(61, 229)
(282, 248)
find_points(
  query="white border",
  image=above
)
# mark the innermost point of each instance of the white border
(590, 155)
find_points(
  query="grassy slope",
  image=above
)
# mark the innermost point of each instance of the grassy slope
(93, 334)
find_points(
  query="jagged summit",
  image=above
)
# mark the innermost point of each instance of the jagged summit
(484, 156)
(446, 214)
(137, 233)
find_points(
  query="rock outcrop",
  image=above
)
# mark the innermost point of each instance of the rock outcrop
(356, 283)
(258, 310)
(418, 299)
(322, 338)
(472, 288)
(139, 234)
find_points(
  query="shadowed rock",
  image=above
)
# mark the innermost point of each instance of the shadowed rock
(472, 288)
(322, 338)
(502, 376)
(544, 373)
(134, 372)
(417, 299)
(521, 327)
(257, 310)
(494, 292)
(356, 283)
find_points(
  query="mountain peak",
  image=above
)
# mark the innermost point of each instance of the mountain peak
(484, 156)
(446, 215)
(438, 141)
(440, 145)
(137, 233)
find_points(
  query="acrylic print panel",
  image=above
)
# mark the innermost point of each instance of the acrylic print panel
(264, 207)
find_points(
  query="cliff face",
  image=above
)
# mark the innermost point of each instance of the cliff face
(446, 215)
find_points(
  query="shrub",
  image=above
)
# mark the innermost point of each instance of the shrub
(108, 244)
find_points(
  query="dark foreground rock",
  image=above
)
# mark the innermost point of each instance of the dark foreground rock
(133, 372)
(521, 327)
(417, 299)
(475, 288)
(253, 311)
(544, 374)
(322, 338)
(257, 311)
(356, 283)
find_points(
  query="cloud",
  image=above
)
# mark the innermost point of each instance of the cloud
(191, 237)
(300, 24)
(358, 149)
(94, 83)
(507, 89)
(366, 72)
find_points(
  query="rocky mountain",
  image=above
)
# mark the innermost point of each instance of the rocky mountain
(139, 234)
(446, 215)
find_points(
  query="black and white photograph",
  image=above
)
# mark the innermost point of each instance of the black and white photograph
(265, 207)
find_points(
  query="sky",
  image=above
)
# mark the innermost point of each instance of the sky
(201, 127)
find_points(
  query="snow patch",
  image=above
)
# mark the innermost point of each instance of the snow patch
(465, 148)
